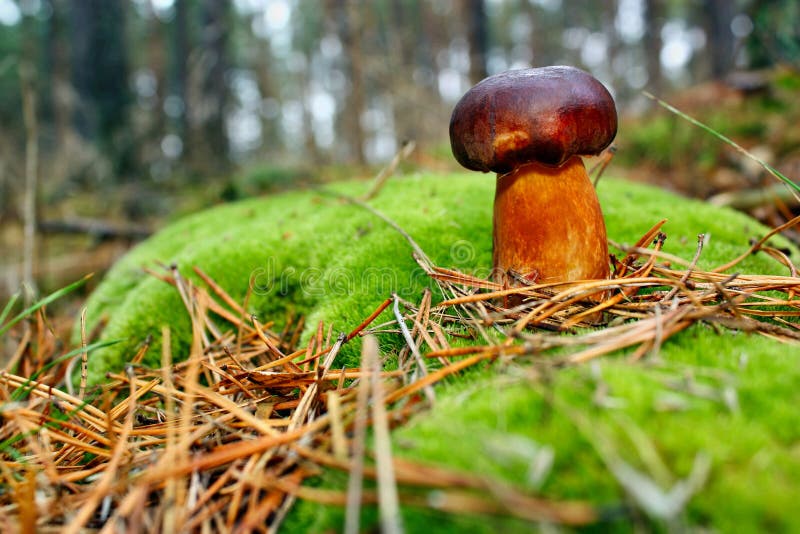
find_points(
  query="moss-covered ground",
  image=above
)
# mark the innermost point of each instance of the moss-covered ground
(724, 397)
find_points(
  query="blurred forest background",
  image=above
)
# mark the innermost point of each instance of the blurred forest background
(116, 115)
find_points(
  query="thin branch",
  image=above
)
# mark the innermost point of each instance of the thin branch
(31, 179)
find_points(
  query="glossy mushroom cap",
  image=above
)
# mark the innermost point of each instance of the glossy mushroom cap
(545, 115)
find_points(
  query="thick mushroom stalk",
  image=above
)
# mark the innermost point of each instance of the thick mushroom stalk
(548, 226)
(530, 127)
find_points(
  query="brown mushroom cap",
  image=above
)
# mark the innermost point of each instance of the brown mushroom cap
(546, 115)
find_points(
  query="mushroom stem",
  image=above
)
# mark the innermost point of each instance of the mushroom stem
(548, 226)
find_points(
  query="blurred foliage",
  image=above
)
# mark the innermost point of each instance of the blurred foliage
(266, 178)
(766, 120)
(147, 91)
(776, 33)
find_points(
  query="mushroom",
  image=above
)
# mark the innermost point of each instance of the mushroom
(530, 127)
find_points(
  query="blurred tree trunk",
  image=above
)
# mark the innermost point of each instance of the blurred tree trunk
(53, 66)
(312, 150)
(349, 27)
(100, 78)
(478, 38)
(538, 40)
(215, 43)
(271, 143)
(654, 19)
(411, 71)
(157, 63)
(435, 35)
(30, 112)
(180, 70)
(718, 17)
(400, 68)
(613, 47)
(208, 92)
(58, 101)
(306, 44)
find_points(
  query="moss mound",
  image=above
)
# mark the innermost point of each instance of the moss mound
(726, 397)
(313, 253)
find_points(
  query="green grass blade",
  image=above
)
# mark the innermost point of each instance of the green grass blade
(9, 306)
(772, 170)
(25, 388)
(7, 445)
(43, 302)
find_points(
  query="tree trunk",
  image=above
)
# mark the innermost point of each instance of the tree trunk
(718, 17)
(538, 40)
(180, 59)
(27, 75)
(206, 92)
(312, 152)
(435, 35)
(271, 138)
(215, 92)
(157, 62)
(349, 28)
(399, 69)
(61, 97)
(653, 17)
(477, 37)
(100, 78)
(609, 29)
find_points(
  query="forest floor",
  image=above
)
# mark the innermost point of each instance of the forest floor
(608, 439)
(659, 149)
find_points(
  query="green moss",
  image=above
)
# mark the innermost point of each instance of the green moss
(677, 403)
(325, 257)
(335, 262)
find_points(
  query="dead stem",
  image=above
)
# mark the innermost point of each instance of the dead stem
(387, 484)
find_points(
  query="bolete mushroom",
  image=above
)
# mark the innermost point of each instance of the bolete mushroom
(530, 127)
